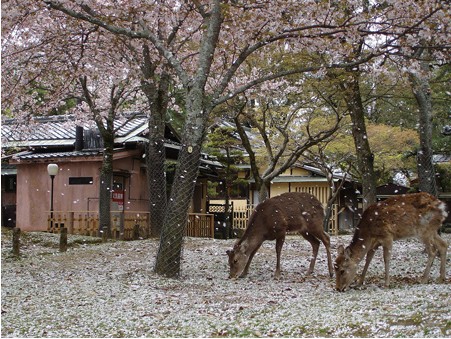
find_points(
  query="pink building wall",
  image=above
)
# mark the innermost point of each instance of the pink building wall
(34, 187)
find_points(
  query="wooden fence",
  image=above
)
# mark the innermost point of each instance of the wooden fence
(200, 225)
(241, 216)
(134, 224)
(124, 225)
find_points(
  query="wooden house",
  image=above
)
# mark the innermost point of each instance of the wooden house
(78, 153)
(300, 178)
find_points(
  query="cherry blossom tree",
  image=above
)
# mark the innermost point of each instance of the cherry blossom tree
(204, 80)
(286, 128)
(71, 66)
(205, 47)
(419, 80)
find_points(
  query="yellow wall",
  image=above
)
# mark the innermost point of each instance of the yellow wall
(318, 189)
(278, 188)
(242, 174)
(296, 172)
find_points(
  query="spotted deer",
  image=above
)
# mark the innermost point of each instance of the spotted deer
(417, 215)
(271, 220)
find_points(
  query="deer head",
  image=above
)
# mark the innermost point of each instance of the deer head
(237, 260)
(345, 268)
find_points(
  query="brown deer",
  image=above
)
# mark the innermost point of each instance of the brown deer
(272, 219)
(417, 215)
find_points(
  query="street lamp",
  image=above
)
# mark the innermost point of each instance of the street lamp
(52, 170)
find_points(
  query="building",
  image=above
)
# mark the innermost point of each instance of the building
(78, 153)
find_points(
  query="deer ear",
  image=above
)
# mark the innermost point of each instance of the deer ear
(341, 250)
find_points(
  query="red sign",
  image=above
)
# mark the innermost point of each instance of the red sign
(118, 196)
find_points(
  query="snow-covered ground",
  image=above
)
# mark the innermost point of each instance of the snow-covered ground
(110, 290)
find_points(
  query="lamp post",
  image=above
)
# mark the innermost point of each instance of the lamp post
(52, 170)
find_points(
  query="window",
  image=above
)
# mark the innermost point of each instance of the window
(10, 183)
(80, 180)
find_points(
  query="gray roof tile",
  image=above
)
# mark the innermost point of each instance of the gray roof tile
(60, 131)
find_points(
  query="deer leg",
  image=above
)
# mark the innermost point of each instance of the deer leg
(246, 269)
(325, 239)
(369, 257)
(442, 247)
(431, 251)
(315, 246)
(279, 244)
(387, 255)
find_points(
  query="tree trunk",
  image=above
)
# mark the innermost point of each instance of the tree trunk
(156, 180)
(228, 186)
(365, 158)
(198, 107)
(263, 191)
(106, 180)
(156, 90)
(227, 214)
(422, 92)
(156, 175)
(328, 214)
(173, 231)
(335, 190)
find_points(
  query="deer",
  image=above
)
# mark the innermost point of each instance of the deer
(412, 215)
(271, 220)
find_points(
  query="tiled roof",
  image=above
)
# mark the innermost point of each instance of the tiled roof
(60, 131)
(440, 158)
(45, 135)
(34, 156)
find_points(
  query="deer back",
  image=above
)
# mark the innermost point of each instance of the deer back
(401, 217)
(294, 211)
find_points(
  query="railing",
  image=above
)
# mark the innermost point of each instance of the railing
(241, 216)
(200, 225)
(333, 223)
(124, 225)
(134, 224)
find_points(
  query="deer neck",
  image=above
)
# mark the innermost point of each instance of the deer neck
(360, 245)
(250, 242)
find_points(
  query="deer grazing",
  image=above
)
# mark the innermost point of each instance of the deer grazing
(417, 215)
(272, 219)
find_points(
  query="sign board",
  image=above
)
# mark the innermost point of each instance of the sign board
(118, 196)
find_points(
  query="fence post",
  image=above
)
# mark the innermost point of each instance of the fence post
(16, 241)
(122, 225)
(63, 239)
(212, 225)
(136, 232)
(196, 225)
(70, 229)
(105, 234)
